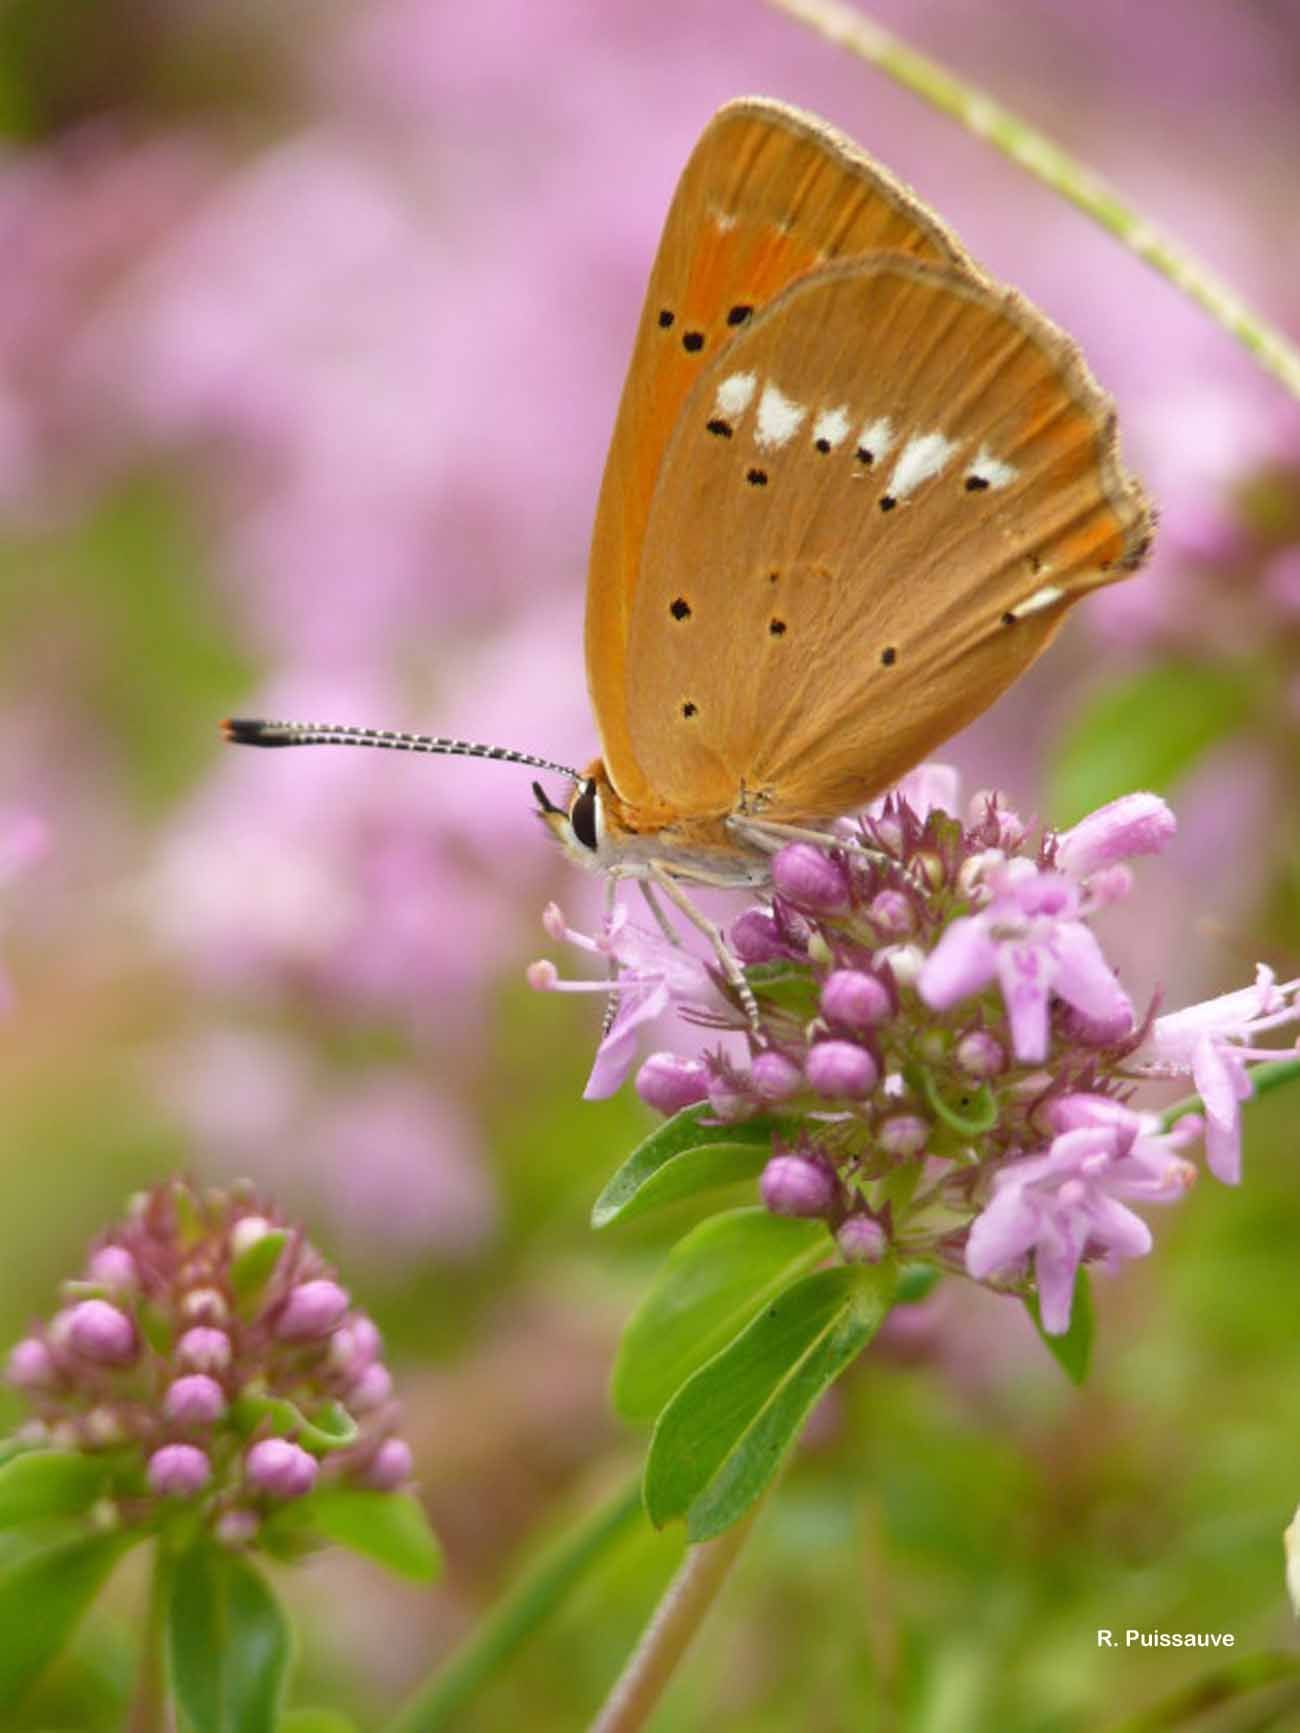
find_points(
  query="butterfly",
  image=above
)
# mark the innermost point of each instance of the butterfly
(854, 487)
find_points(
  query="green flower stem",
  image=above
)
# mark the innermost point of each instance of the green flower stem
(151, 1710)
(439, 1703)
(1263, 1077)
(1036, 152)
(673, 1624)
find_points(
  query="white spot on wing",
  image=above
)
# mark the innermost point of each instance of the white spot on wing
(991, 470)
(778, 418)
(735, 392)
(723, 220)
(831, 425)
(877, 437)
(922, 457)
(1040, 599)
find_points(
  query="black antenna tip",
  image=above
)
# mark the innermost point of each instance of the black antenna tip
(251, 731)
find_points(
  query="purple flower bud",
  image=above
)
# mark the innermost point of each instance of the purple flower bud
(371, 1390)
(279, 1468)
(237, 1528)
(354, 1344)
(1133, 824)
(854, 1000)
(755, 938)
(195, 1400)
(810, 878)
(31, 1365)
(245, 1234)
(113, 1267)
(903, 1134)
(312, 1309)
(1074, 1112)
(179, 1471)
(892, 914)
(861, 1240)
(204, 1349)
(727, 1102)
(981, 1054)
(774, 1077)
(668, 1082)
(841, 1068)
(792, 1185)
(389, 1467)
(204, 1306)
(102, 1333)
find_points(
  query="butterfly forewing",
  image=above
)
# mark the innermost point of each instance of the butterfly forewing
(878, 503)
(768, 196)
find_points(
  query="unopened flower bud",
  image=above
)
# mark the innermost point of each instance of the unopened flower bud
(389, 1467)
(179, 1470)
(31, 1365)
(102, 1333)
(245, 1234)
(204, 1306)
(280, 1468)
(667, 1082)
(204, 1349)
(905, 962)
(195, 1400)
(774, 1077)
(861, 1240)
(854, 1000)
(755, 938)
(811, 879)
(113, 1268)
(102, 1428)
(727, 1102)
(981, 1054)
(311, 1310)
(237, 1528)
(841, 1068)
(371, 1390)
(903, 1134)
(792, 1185)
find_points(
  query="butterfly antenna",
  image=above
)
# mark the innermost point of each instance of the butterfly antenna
(253, 731)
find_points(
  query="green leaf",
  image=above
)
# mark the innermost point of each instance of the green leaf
(968, 1111)
(1073, 1350)
(47, 1483)
(328, 1427)
(42, 1598)
(1146, 730)
(229, 1642)
(678, 1135)
(389, 1527)
(253, 1268)
(709, 1287)
(723, 1436)
(315, 1721)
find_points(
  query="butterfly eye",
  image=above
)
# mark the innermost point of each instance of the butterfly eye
(582, 815)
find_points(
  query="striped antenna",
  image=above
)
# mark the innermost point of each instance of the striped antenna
(253, 731)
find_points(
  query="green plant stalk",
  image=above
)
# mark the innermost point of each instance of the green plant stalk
(438, 1704)
(151, 1710)
(1056, 168)
(672, 1626)
(1263, 1078)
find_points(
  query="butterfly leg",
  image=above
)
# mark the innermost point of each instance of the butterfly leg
(666, 880)
(772, 835)
(611, 1001)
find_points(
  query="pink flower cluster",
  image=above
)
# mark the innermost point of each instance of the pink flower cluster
(209, 1355)
(943, 1047)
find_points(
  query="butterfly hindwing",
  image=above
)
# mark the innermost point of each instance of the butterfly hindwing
(879, 502)
(768, 196)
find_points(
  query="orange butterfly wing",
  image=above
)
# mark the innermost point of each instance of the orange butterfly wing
(877, 506)
(768, 196)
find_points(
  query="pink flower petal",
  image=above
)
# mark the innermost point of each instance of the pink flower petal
(962, 963)
(1084, 978)
(1025, 975)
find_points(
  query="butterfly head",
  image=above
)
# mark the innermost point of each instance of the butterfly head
(580, 828)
